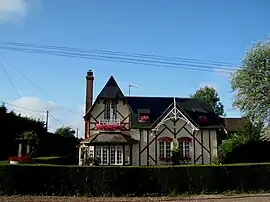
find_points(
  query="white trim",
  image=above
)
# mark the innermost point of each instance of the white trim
(176, 114)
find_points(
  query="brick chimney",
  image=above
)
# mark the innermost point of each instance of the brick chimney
(89, 100)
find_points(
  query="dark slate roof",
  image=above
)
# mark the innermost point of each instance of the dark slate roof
(191, 108)
(233, 124)
(111, 90)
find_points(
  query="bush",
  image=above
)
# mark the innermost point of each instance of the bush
(251, 152)
(137, 181)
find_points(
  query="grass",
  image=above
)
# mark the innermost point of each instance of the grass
(4, 162)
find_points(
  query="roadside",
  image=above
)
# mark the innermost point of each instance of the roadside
(209, 198)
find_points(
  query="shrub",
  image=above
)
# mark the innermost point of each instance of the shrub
(137, 181)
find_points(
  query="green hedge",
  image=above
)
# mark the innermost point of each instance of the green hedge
(137, 181)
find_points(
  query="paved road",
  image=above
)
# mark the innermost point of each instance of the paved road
(216, 198)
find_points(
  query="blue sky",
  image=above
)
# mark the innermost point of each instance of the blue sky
(206, 30)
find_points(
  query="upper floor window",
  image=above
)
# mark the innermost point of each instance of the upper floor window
(110, 110)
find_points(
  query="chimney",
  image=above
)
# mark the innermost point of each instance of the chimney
(89, 99)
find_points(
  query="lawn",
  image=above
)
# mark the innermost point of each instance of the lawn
(4, 162)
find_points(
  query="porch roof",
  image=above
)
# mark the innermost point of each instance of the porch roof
(110, 138)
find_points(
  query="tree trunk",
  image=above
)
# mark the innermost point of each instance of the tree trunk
(20, 150)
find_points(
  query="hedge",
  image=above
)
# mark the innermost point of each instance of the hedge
(136, 181)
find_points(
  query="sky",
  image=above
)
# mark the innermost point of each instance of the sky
(203, 30)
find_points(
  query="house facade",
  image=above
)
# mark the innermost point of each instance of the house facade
(128, 130)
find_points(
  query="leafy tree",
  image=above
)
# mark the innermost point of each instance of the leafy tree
(3, 108)
(65, 132)
(210, 96)
(249, 133)
(251, 84)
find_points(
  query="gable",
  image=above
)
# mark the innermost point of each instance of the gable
(197, 112)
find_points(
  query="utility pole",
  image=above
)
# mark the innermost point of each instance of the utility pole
(47, 120)
(77, 134)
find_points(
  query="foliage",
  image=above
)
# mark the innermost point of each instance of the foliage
(65, 132)
(210, 96)
(251, 83)
(248, 133)
(3, 108)
(251, 152)
(136, 181)
(13, 127)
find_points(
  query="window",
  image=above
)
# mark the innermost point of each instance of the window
(102, 154)
(127, 154)
(116, 155)
(110, 111)
(184, 148)
(165, 148)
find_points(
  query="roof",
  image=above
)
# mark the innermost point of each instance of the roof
(116, 137)
(154, 107)
(191, 108)
(111, 90)
(233, 124)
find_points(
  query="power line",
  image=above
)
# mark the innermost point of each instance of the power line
(10, 80)
(38, 111)
(55, 119)
(42, 91)
(102, 51)
(126, 60)
(51, 51)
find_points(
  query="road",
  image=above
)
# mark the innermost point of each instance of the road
(208, 198)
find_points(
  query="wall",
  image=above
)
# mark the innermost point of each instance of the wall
(206, 141)
(98, 113)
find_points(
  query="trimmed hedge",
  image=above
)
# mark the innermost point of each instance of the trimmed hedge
(136, 181)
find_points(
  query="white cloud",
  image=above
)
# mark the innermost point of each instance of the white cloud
(36, 108)
(11, 10)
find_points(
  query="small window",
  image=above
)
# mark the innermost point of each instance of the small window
(184, 148)
(110, 110)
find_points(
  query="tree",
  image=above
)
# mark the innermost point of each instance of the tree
(3, 108)
(245, 135)
(65, 132)
(210, 96)
(251, 84)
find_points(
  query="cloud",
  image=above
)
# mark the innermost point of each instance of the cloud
(225, 73)
(35, 107)
(11, 10)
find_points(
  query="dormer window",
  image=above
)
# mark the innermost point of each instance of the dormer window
(110, 110)
(203, 119)
(143, 115)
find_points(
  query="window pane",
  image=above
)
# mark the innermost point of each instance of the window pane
(161, 149)
(187, 145)
(168, 149)
(127, 154)
(98, 152)
(181, 150)
(119, 155)
(105, 155)
(110, 110)
(113, 156)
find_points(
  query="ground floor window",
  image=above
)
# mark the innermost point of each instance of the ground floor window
(184, 148)
(113, 154)
(165, 151)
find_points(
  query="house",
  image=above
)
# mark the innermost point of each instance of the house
(129, 130)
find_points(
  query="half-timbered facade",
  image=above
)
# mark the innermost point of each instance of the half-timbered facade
(126, 130)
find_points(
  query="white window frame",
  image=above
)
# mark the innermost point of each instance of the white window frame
(114, 149)
(102, 149)
(110, 110)
(185, 146)
(166, 145)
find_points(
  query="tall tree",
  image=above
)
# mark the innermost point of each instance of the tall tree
(251, 84)
(65, 132)
(210, 96)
